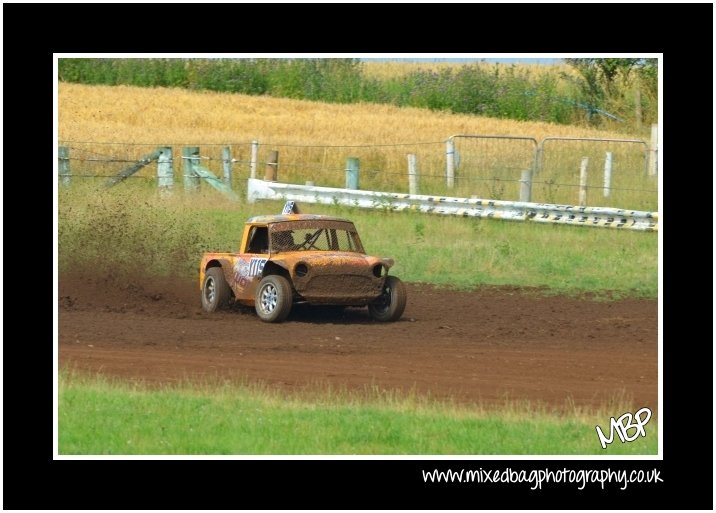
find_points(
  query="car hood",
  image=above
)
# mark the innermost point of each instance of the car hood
(338, 259)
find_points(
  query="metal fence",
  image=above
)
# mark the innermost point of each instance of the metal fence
(489, 166)
(616, 173)
(380, 167)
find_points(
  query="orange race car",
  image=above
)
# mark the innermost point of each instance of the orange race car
(300, 258)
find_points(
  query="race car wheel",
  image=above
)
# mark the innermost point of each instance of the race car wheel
(215, 291)
(391, 304)
(273, 298)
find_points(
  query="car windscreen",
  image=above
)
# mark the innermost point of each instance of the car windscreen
(313, 236)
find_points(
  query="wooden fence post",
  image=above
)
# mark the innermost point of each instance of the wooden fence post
(272, 167)
(134, 168)
(539, 158)
(450, 159)
(413, 174)
(653, 150)
(583, 182)
(189, 159)
(608, 174)
(165, 170)
(526, 186)
(63, 165)
(226, 161)
(352, 172)
(254, 157)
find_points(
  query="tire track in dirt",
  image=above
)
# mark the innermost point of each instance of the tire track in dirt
(483, 346)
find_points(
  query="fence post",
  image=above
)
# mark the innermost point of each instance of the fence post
(254, 157)
(63, 164)
(583, 182)
(226, 160)
(189, 159)
(539, 158)
(608, 174)
(413, 173)
(653, 149)
(526, 185)
(271, 174)
(165, 170)
(450, 158)
(352, 172)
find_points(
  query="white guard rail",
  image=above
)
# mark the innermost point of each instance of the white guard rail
(466, 207)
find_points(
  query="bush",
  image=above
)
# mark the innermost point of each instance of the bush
(119, 232)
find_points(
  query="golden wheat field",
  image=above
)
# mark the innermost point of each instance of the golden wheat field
(314, 139)
(151, 116)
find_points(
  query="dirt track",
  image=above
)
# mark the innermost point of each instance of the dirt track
(484, 346)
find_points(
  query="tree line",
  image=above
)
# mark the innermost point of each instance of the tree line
(619, 93)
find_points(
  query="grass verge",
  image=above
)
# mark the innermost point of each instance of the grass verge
(101, 417)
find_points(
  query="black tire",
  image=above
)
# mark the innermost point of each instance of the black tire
(215, 292)
(391, 304)
(274, 298)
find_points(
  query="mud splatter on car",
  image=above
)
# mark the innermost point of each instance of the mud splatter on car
(296, 258)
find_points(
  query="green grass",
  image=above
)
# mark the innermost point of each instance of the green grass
(466, 253)
(168, 236)
(97, 416)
